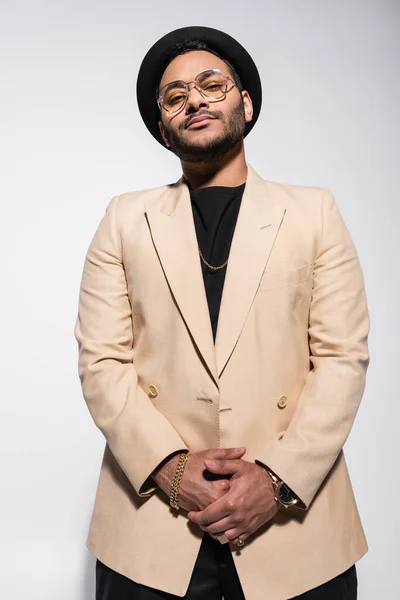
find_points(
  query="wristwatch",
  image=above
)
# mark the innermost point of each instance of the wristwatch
(283, 493)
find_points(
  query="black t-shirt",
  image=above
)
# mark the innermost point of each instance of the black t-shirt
(215, 212)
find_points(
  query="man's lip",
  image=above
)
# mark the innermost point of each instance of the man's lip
(198, 119)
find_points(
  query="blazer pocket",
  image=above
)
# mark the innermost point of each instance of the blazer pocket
(281, 279)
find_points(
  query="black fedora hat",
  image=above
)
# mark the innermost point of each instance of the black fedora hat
(159, 56)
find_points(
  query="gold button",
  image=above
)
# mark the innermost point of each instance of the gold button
(282, 402)
(153, 391)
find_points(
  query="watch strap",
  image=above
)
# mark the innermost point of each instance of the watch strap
(277, 483)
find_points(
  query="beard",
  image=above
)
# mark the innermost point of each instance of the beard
(209, 149)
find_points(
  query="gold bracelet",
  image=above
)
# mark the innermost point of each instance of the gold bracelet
(173, 498)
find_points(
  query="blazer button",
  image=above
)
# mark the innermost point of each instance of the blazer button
(153, 391)
(282, 402)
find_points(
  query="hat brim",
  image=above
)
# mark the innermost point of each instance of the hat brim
(158, 57)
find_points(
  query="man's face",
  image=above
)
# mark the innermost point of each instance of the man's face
(224, 128)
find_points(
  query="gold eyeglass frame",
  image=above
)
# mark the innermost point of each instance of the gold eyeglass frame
(197, 86)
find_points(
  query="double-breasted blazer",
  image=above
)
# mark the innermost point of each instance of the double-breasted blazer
(284, 378)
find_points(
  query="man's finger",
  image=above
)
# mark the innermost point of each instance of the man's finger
(234, 535)
(223, 467)
(220, 527)
(223, 539)
(227, 453)
(214, 512)
(223, 484)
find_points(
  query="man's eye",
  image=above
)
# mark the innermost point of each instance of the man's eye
(175, 99)
(213, 88)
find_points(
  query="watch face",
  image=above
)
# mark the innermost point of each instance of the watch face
(285, 494)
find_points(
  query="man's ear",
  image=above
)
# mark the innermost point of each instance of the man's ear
(162, 131)
(248, 106)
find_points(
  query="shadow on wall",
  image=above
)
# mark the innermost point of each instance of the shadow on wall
(89, 578)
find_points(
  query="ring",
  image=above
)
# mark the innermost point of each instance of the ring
(240, 542)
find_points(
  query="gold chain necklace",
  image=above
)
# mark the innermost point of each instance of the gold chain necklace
(208, 264)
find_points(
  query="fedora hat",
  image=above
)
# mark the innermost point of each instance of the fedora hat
(159, 56)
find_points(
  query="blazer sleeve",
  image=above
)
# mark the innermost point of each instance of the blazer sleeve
(303, 455)
(138, 435)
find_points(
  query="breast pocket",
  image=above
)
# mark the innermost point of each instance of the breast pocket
(282, 279)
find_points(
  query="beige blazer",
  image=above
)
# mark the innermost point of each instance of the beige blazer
(285, 378)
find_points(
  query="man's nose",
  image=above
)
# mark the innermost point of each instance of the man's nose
(195, 100)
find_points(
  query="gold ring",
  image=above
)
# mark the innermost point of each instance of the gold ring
(240, 542)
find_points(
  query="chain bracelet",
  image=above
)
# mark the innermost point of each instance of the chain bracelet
(173, 499)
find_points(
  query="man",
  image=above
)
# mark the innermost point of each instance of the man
(222, 334)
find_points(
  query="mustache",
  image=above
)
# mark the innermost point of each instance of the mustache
(214, 114)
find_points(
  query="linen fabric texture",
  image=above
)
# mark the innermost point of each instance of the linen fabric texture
(293, 322)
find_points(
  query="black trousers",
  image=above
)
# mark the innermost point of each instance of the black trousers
(214, 577)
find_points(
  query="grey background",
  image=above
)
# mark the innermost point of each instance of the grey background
(71, 138)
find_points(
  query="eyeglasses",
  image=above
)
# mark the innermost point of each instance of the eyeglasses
(212, 85)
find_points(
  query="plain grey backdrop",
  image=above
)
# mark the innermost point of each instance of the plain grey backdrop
(71, 137)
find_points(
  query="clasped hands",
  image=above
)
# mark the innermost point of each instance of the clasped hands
(225, 494)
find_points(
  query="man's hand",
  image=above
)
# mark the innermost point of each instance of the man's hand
(249, 503)
(198, 488)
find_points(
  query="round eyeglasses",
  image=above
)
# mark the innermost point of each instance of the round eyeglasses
(212, 85)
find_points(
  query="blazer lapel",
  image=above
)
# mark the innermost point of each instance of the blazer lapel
(174, 235)
(173, 231)
(259, 220)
